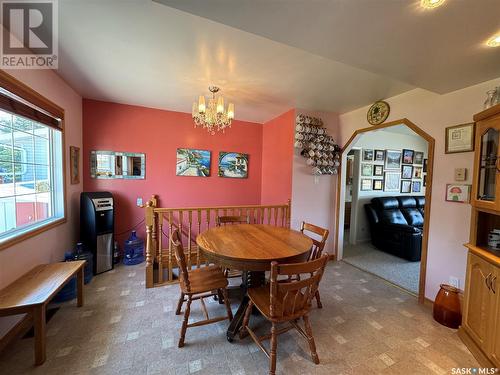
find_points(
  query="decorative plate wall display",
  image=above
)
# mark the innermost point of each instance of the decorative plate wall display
(378, 112)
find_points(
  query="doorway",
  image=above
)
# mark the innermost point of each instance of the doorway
(384, 170)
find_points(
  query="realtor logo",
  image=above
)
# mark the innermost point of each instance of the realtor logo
(29, 34)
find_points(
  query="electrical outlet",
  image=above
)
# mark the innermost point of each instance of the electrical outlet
(139, 201)
(454, 281)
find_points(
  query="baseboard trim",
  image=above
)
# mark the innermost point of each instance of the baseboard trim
(20, 329)
(474, 349)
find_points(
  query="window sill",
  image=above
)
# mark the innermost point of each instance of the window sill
(8, 242)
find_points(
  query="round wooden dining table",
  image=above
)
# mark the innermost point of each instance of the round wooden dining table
(251, 248)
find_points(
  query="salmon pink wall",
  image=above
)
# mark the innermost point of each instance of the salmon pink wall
(277, 158)
(158, 133)
(48, 246)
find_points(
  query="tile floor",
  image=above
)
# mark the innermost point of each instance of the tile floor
(365, 327)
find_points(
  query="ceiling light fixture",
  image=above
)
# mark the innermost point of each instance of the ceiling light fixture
(431, 4)
(494, 42)
(213, 117)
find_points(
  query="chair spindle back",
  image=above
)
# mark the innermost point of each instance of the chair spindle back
(318, 245)
(295, 296)
(180, 257)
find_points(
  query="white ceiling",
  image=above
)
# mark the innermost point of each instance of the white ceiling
(145, 53)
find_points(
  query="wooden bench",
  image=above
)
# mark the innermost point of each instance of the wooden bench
(31, 293)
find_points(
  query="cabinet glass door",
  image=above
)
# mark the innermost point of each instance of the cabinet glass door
(488, 166)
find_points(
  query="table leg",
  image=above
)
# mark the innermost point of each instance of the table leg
(251, 279)
(79, 282)
(39, 325)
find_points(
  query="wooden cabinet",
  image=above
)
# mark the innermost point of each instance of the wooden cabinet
(486, 184)
(480, 329)
(481, 315)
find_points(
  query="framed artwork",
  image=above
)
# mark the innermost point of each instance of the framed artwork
(459, 138)
(407, 171)
(406, 186)
(392, 181)
(378, 170)
(459, 193)
(393, 160)
(367, 155)
(379, 156)
(378, 185)
(416, 186)
(366, 169)
(74, 162)
(408, 156)
(425, 165)
(233, 165)
(366, 184)
(192, 162)
(419, 158)
(417, 173)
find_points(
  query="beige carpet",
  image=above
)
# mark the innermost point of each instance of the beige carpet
(366, 327)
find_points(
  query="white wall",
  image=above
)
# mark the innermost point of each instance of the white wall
(449, 222)
(380, 140)
(314, 197)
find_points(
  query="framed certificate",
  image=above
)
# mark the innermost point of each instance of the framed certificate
(459, 138)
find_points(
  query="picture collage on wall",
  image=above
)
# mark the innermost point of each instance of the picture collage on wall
(194, 162)
(403, 171)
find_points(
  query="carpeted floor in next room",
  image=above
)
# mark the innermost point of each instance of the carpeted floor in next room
(389, 267)
(365, 327)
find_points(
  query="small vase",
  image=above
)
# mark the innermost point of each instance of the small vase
(496, 98)
(446, 310)
(489, 99)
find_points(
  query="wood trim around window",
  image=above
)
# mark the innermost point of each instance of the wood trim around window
(25, 92)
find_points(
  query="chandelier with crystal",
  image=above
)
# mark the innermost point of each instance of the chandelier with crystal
(213, 117)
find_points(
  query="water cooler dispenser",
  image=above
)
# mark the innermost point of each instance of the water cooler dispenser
(96, 228)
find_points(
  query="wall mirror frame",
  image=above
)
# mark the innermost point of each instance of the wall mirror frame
(117, 165)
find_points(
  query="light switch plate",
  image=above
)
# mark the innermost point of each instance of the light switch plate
(460, 174)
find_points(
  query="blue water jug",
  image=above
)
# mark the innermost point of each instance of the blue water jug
(133, 250)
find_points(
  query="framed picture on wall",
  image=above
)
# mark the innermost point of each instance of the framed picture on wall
(366, 184)
(407, 171)
(459, 193)
(392, 181)
(406, 186)
(233, 165)
(393, 160)
(74, 164)
(366, 169)
(417, 173)
(416, 186)
(379, 156)
(378, 185)
(378, 170)
(459, 138)
(408, 156)
(193, 162)
(419, 158)
(367, 155)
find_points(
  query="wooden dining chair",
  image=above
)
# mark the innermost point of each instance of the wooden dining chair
(197, 284)
(286, 302)
(225, 220)
(317, 248)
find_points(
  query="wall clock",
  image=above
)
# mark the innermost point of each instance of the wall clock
(378, 112)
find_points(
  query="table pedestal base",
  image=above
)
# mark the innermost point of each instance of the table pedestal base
(251, 279)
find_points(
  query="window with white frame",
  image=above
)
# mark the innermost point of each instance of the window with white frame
(31, 169)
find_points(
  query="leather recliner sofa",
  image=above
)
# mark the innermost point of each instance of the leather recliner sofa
(396, 225)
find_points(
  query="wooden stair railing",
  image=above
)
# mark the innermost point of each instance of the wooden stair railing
(190, 221)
